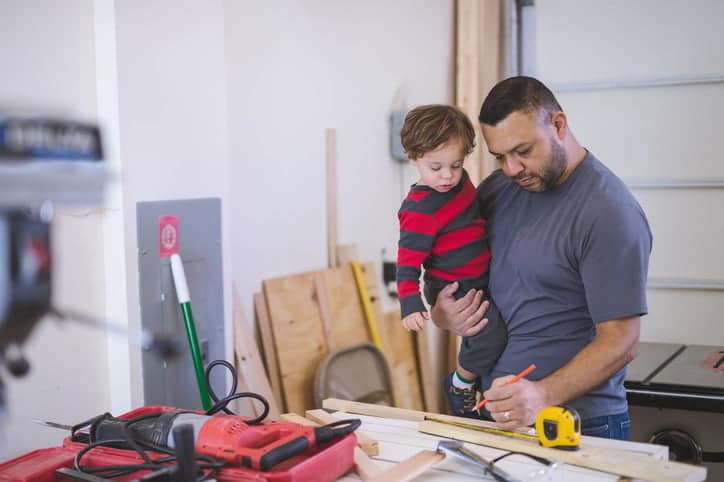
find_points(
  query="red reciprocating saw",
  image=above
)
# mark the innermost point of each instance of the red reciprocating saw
(228, 438)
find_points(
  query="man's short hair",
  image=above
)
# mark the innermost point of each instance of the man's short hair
(517, 94)
(427, 127)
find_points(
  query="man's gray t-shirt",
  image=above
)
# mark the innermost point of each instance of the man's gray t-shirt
(563, 260)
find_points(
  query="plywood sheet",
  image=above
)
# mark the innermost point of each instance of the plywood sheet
(298, 336)
(345, 309)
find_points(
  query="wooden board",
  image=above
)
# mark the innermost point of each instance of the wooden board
(490, 50)
(400, 353)
(298, 336)
(345, 310)
(366, 443)
(249, 368)
(370, 277)
(398, 346)
(608, 460)
(331, 151)
(467, 76)
(400, 440)
(269, 348)
(659, 452)
(346, 253)
(431, 387)
(412, 467)
(298, 329)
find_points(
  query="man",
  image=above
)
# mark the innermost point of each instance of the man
(570, 248)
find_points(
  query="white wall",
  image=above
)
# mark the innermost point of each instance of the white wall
(172, 121)
(48, 67)
(670, 132)
(296, 68)
(210, 99)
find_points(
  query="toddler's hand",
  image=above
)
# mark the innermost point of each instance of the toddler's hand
(415, 321)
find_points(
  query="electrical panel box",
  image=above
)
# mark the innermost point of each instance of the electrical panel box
(173, 381)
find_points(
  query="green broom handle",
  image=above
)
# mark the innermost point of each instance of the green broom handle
(184, 299)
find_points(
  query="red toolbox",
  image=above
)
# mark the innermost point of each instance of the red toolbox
(322, 463)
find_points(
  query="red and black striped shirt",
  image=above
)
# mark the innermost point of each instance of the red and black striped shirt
(444, 233)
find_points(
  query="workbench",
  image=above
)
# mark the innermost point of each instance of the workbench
(400, 439)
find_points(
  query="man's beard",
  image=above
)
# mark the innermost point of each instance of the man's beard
(551, 172)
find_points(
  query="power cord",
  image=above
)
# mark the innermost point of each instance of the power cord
(206, 466)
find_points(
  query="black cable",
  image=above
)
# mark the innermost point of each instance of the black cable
(537, 458)
(129, 439)
(221, 404)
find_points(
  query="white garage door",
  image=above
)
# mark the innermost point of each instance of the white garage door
(642, 83)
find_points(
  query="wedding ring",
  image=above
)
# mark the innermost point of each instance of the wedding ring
(506, 415)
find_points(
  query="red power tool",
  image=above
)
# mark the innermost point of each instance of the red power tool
(228, 438)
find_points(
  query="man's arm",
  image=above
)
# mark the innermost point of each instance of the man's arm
(614, 346)
(464, 317)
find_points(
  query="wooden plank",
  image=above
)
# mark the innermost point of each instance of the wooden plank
(248, 361)
(324, 312)
(298, 335)
(467, 91)
(399, 345)
(348, 325)
(410, 468)
(613, 461)
(331, 144)
(399, 440)
(370, 278)
(369, 409)
(268, 347)
(346, 253)
(374, 410)
(453, 349)
(364, 466)
(431, 388)
(365, 442)
(490, 54)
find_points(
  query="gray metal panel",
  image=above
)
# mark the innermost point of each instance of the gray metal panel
(686, 369)
(172, 381)
(650, 357)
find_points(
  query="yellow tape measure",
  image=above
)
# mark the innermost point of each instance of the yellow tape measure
(557, 427)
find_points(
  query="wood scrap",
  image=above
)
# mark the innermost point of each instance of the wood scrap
(324, 312)
(298, 330)
(659, 452)
(331, 151)
(430, 387)
(369, 445)
(298, 336)
(346, 316)
(346, 253)
(609, 460)
(269, 348)
(410, 468)
(399, 345)
(251, 375)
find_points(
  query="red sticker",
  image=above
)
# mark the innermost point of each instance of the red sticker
(167, 235)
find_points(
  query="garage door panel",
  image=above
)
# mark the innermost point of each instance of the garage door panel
(663, 132)
(682, 316)
(591, 40)
(688, 229)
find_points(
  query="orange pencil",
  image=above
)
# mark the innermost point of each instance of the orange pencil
(512, 380)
